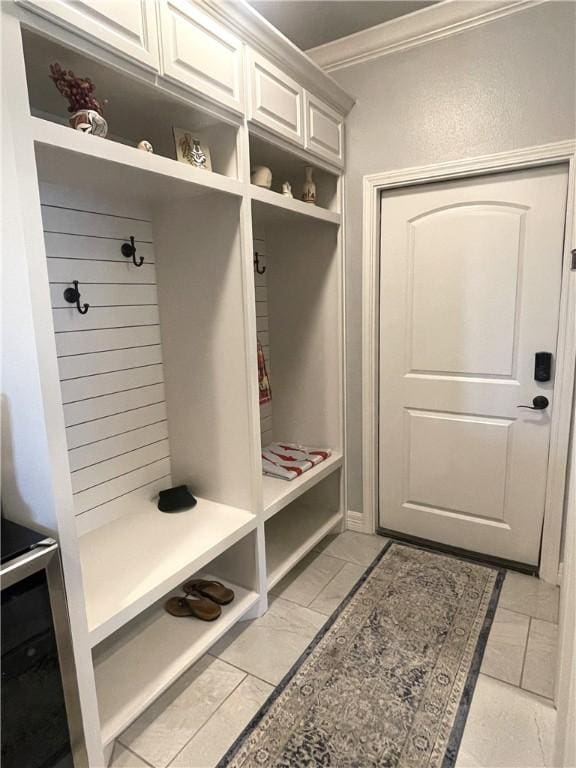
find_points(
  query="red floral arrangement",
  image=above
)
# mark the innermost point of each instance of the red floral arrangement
(78, 90)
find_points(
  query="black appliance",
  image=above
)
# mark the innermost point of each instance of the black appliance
(40, 714)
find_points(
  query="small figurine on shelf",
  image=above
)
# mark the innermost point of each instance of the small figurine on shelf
(85, 108)
(287, 189)
(261, 176)
(145, 146)
(309, 188)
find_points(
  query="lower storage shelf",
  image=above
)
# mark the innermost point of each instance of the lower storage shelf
(139, 662)
(279, 493)
(133, 561)
(289, 538)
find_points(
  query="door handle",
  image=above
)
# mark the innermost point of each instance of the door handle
(538, 404)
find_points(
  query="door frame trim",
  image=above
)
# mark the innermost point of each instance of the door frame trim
(563, 152)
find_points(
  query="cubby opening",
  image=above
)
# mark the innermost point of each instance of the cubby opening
(137, 663)
(301, 346)
(301, 525)
(154, 385)
(135, 110)
(289, 166)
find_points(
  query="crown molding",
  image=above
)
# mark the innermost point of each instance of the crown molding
(432, 23)
(245, 22)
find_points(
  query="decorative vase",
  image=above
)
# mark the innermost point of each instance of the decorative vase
(287, 189)
(309, 188)
(261, 176)
(89, 121)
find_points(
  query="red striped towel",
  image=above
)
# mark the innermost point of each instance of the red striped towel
(290, 460)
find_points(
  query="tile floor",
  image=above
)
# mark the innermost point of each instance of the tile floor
(511, 720)
(510, 723)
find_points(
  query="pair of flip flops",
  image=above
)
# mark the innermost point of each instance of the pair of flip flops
(203, 600)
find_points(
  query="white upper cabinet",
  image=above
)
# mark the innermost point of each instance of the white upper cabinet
(200, 54)
(276, 101)
(324, 130)
(127, 28)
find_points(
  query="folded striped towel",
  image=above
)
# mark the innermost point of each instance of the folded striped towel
(290, 460)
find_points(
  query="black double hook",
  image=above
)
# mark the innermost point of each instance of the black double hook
(129, 250)
(72, 296)
(259, 270)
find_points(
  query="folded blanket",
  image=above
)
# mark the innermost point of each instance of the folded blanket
(290, 460)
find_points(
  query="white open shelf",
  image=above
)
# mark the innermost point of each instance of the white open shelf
(272, 206)
(65, 156)
(279, 493)
(133, 561)
(141, 661)
(288, 540)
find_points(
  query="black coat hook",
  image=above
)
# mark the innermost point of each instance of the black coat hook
(257, 264)
(72, 296)
(129, 250)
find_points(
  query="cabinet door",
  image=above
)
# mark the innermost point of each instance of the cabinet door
(128, 28)
(199, 54)
(324, 130)
(276, 101)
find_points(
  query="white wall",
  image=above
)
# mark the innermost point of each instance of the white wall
(505, 85)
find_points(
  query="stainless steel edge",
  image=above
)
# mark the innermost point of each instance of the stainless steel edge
(27, 564)
(67, 664)
(46, 556)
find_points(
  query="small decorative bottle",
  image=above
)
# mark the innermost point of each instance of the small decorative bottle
(309, 188)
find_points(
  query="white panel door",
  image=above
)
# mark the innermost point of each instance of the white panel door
(200, 54)
(276, 101)
(324, 130)
(127, 26)
(469, 292)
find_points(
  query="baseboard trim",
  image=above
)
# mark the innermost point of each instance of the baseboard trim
(355, 521)
(498, 562)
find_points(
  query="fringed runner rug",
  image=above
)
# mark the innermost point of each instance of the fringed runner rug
(388, 680)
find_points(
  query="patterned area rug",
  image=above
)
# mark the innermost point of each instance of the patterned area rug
(388, 680)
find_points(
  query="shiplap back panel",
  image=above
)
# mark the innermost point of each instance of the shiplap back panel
(110, 359)
(261, 288)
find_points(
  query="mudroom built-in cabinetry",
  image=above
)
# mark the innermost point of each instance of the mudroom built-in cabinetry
(140, 295)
